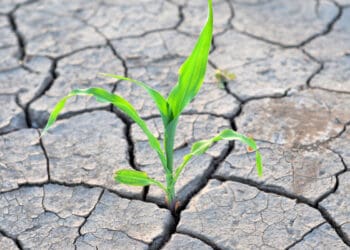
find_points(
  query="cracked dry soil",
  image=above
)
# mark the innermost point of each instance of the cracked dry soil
(292, 91)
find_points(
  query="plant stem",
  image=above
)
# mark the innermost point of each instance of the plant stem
(169, 139)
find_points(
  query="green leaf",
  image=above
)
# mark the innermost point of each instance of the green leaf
(54, 114)
(202, 146)
(104, 96)
(158, 99)
(192, 72)
(135, 178)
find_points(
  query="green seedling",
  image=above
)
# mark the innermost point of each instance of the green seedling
(224, 75)
(191, 76)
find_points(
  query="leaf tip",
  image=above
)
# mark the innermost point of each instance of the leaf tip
(259, 165)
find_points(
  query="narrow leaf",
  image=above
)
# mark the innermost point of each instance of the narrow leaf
(202, 146)
(135, 178)
(104, 96)
(192, 72)
(158, 99)
(54, 114)
(132, 177)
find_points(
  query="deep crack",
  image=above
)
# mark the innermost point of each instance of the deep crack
(331, 90)
(47, 84)
(317, 71)
(334, 225)
(20, 39)
(85, 185)
(281, 192)
(160, 241)
(87, 217)
(335, 188)
(70, 114)
(72, 52)
(304, 235)
(327, 30)
(273, 189)
(207, 175)
(128, 137)
(14, 239)
(46, 156)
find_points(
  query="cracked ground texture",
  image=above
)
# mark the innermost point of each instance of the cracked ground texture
(291, 93)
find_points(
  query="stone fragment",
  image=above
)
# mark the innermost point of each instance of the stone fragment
(19, 209)
(261, 69)
(341, 146)
(323, 237)
(154, 47)
(21, 159)
(116, 19)
(304, 172)
(109, 240)
(195, 13)
(12, 117)
(79, 70)
(336, 59)
(89, 148)
(337, 204)
(8, 44)
(49, 32)
(184, 242)
(49, 231)
(7, 243)
(237, 216)
(190, 129)
(23, 216)
(139, 221)
(267, 19)
(80, 19)
(27, 82)
(79, 201)
(335, 75)
(19, 86)
(304, 118)
(324, 49)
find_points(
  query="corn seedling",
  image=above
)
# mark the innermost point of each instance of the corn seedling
(191, 76)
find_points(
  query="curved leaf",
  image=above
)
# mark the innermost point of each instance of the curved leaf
(202, 146)
(104, 96)
(55, 112)
(192, 72)
(158, 99)
(135, 178)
